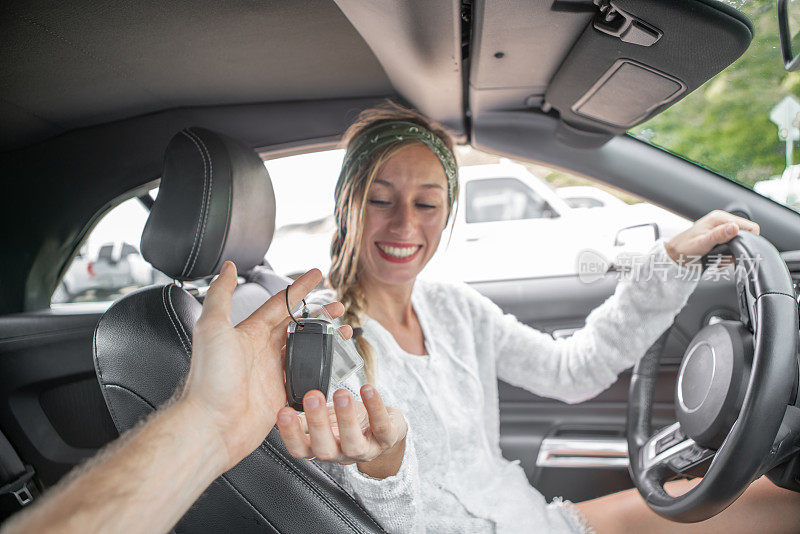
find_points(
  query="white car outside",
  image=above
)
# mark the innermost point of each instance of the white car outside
(510, 224)
(588, 197)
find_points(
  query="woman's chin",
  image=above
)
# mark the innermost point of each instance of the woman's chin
(396, 273)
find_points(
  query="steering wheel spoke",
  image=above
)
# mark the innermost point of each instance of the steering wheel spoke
(670, 452)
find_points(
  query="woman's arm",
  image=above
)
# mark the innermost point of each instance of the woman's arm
(617, 333)
(615, 336)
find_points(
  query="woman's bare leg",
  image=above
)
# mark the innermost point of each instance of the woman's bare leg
(763, 507)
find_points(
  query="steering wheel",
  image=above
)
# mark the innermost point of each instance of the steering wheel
(732, 396)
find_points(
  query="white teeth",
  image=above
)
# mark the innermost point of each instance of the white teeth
(399, 252)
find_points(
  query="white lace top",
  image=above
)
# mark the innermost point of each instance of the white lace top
(453, 478)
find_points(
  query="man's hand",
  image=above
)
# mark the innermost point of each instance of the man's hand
(710, 230)
(236, 383)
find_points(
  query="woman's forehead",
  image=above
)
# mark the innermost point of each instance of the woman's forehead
(412, 165)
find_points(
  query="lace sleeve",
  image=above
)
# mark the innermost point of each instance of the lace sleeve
(616, 335)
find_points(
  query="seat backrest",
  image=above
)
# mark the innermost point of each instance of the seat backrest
(143, 343)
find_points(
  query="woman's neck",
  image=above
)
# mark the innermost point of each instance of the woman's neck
(389, 304)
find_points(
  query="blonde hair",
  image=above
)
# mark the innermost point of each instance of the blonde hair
(349, 217)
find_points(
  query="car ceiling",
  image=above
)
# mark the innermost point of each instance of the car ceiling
(75, 64)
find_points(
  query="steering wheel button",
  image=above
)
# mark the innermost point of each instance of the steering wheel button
(668, 441)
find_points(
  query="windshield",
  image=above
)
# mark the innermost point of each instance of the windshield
(731, 123)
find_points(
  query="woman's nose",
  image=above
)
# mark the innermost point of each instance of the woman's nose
(403, 220)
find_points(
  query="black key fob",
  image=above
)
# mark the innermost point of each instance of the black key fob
(309, 354)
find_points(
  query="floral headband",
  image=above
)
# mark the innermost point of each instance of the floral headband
(388, 133)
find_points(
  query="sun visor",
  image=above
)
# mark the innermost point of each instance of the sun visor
(638, 57)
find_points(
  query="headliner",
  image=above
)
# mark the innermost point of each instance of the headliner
(139, 58)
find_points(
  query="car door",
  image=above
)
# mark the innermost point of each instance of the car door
(51, 408)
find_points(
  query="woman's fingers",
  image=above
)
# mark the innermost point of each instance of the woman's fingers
(379, 421)
(323, 442)
(335, 309)
(346, 331)
(297, 442)
(351, 437)
(722, 233)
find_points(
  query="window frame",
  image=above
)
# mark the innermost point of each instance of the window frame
(83, 236)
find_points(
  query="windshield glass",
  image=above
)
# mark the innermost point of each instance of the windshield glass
(731, 123)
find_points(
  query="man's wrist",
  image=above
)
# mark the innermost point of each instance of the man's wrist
(196, 424)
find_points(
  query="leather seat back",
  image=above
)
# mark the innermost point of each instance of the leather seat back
(143, 343)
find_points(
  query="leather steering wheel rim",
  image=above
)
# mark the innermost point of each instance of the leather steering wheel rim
(748, 447)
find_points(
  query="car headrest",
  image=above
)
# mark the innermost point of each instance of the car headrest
(215, 203)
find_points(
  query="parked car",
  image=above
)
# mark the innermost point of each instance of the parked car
(117, 269)
(784, 188)
(587, 197)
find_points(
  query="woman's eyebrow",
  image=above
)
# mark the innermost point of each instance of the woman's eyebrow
(390, 184)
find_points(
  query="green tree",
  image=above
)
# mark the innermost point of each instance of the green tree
(724, 124)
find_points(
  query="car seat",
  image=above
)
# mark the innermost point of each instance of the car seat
(215, 203)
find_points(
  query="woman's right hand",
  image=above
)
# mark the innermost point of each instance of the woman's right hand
(369, 434)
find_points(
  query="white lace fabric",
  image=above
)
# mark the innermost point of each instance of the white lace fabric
(453, 478)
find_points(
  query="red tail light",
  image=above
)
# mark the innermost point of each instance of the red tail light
(89, 269)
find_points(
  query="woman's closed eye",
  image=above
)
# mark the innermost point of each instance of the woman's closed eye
(381, 203)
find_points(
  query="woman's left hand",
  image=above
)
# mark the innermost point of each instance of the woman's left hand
(369, 433)
(707, 232)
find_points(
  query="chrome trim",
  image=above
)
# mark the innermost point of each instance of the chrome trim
(650, 458)
(583, 452)
(562, 333)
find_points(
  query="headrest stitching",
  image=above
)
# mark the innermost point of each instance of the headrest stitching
(207, 200)
(166, 310)
(197, 230)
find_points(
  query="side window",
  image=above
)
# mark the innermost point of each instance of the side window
(584, 202)
(503, 199)
(565, 215)
(109, 264)
(304, 186)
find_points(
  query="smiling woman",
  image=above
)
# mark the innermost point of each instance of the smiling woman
(377, 212)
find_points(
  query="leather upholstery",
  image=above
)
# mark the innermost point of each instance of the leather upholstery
(215, 203)
(143, 343)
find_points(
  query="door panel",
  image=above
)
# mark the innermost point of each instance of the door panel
(51, 407)
(582, 441)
